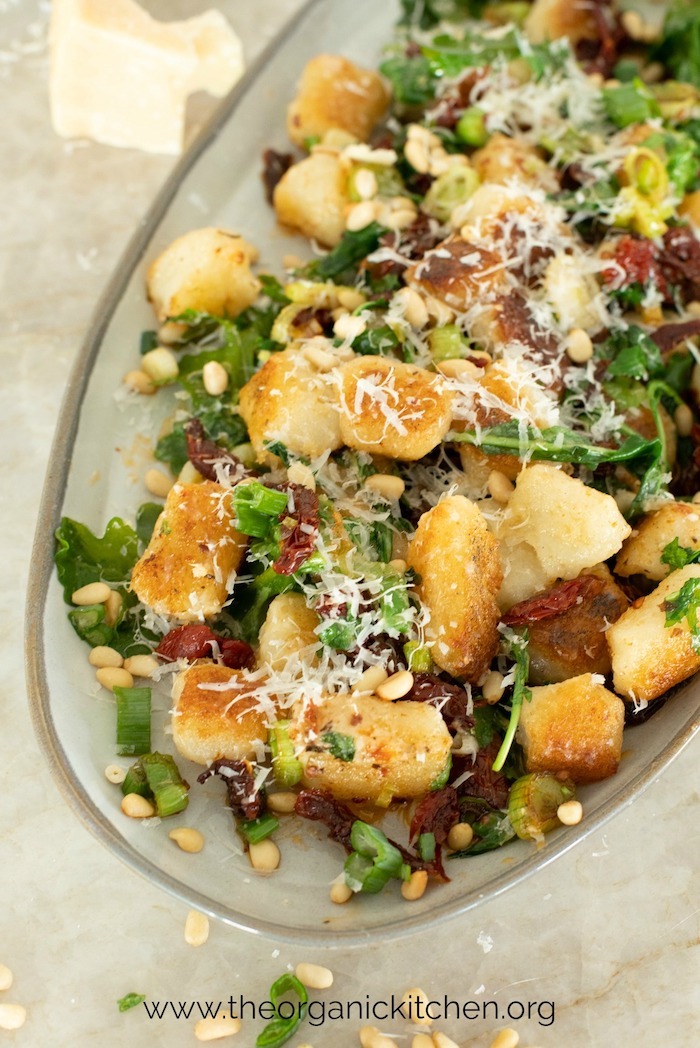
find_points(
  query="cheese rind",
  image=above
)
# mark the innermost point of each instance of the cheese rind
(122, 78)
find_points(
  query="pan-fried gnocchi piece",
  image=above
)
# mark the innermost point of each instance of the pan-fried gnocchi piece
(523, 574)
(460, 574)
(312, 197)
(389, 749)
(207, 269)
(551, 19)
(570, 527)
(289, 628)
(649, 657)
(393, 409)
(641, 552)
(291, 401)
(335, 93)
(574, 727)
(188, 568)
(216, 713)
(458, 273)
(504, 158)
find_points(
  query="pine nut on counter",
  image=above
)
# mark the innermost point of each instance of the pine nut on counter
(416, 1001)
(441, 1040)
(12, 1016)
(506, 1038)
(196, 928)
(422, 1040)
(216, 1028)
(6, 977)
(370, 1037)
(314, 976)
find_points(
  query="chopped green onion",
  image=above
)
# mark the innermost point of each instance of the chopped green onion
(395, 603)
(374, 860)
(441, 778)
(285, 766)
(89, 622)
(131, 1000)
(471, 128)
(418, 657)
(133, 720)
(532, 804)
(631, 103)
(255, 830)
(136, 781)
(147, 342)
(426, 846)
(170, 793)
(447, 343)
(280, 1029)
(256, 508)
(448, 191)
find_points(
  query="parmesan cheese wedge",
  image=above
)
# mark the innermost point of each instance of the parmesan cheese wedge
(122, 78)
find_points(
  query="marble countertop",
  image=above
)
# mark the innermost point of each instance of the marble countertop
(608, 933)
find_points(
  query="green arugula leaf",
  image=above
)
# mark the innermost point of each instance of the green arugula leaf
(677, 556)
(412, 80)
(516, 645)
(634, 354)
(81, 557)
(340, 265)
(684, 605)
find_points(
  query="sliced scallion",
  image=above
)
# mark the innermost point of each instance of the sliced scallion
(255, 830)
(133, 720)
(285, 766)
(170, 793)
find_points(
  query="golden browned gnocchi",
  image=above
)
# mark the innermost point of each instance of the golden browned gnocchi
(216, 714)
(311, 197)
(336, 93)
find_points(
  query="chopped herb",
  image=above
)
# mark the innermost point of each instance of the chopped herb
(340, 746)
(677, 556)
(684, 605)
(341, 264)
(634, 354)
(517, 648)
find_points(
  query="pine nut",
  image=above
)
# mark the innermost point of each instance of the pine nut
(12, 1016)
(6, 977)
(460, 836)
(215, 1028)
(189, 475)
(215, 378)
(693, 309)
(314, 976)
(417, 155)
(340, 893)
(415, 887)
(139, 382)
(422, 1040)
(93, 593)
(196, 928)
(264, 856)
(319, 358)
(137, 807)
(399, 565)
(414, 308)
(299, 473)
(102, 656)
(579, 347)
(389, 487)
(282, 803)
(506, 1038)
(371, 679)
(416, 1001)
(188, 839)
(492, 688)
(459, 369)
(633, 24)
(160, 365)
(499, 486)
(292, 262)
(398, 219)
(360, 216)
(396, 686)
(683, 417)
(361, 153)
(113, 607)
(370, 1037)
(141, 665)
(115, 774)
(366, 184)
(350, 299)
(349, 327)
(111, 677)
(157, 483)
(652, 73)
(570, 813)
(441, 1040)
(419, 133)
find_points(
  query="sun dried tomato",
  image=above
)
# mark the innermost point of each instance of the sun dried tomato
(437, 813)
(669, 335)
(484, 782)
(637, 261)
(200, 642)
(554, 601)
(680, 261)
(450, 698)
(241, 796)
(299, 530)
(274, 166)
(205, 454)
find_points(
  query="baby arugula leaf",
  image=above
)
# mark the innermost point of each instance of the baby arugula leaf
(684, 605)
(81, 557)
